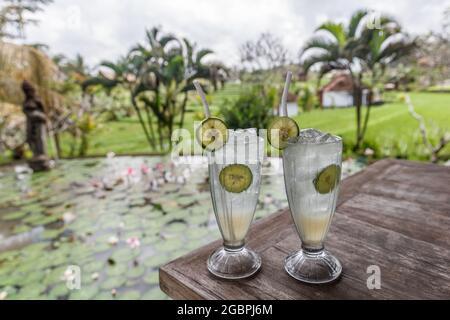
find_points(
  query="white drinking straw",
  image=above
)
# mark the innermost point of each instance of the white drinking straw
(283, 105)
(202, 95)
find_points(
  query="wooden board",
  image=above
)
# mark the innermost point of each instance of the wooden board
(394, 214)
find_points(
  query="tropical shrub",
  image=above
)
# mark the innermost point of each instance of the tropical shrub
(158, 74)
(252, 109)
(307, 98)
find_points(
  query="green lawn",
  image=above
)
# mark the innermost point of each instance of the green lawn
(392, 131)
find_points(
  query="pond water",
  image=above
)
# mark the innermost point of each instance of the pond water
(116, 219)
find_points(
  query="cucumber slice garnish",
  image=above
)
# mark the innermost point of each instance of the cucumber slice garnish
(280, 130)
(212, 134)
(327, 179)
(236, 178)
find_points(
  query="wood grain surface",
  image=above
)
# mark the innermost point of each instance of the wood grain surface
(394, 214)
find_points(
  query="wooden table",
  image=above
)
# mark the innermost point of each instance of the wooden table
(394, 214)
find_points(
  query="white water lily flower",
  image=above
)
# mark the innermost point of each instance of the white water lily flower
(68, 217)
(133, 242)
(113, 240)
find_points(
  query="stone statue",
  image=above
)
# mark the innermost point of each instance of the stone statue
(36, 128)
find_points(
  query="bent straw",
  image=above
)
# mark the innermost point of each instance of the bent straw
(283, 106)
(202, 95)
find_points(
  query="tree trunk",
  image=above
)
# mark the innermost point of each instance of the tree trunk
(183, 110)
(57, 144)
(357, 99)
(150, 123)
(84, 145)
(141, 120)
(369, 108)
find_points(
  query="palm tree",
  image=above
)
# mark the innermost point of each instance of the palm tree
(385, 47)
(159, 75)
(356, 48)
(218, 74)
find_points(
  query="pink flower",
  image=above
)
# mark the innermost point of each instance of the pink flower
(133, 242)
(159, 167)
(145, 169)
(130, 171)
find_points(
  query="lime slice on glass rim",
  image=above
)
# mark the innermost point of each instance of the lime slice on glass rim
(212, 134)
(236, 178)
(280, 130)
(327, 179)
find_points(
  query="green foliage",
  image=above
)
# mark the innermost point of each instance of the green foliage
(125, 136)
(86, 125)
(371, 49)
(253, 109)
(307, 97)
(158, 75)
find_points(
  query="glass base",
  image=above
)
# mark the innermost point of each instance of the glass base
(234, 264)
(314, 267)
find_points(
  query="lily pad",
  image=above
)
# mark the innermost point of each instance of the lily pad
(152, 278)
(117, 269)
(33, 277)
(104, 295)
(11, 280)
(136, 272)
(93, 266)
(124, 255)
(197, 233)
(176, 227)
(129, 295)
(20, 229)
(58, 291)
(156, 261)
(85, 293)
(154, 294)
(113, 283)
(168, 245)
(14, 216)
(32, 291)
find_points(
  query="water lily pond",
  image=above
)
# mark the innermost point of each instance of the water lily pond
(116, 219)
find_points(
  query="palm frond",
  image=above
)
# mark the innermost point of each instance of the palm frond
(313, 60)
(336, 30)
(167, 39)
(319, 42)
(201, 54)
(355, 22)
(108, 84)
(113, 66)
(396, 49)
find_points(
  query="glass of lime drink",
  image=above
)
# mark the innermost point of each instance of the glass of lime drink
(312, 173)
(235, 179)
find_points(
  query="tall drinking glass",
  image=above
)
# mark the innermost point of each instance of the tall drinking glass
(235, 179)
(312, 171)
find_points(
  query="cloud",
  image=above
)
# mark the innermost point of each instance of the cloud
(101, 29)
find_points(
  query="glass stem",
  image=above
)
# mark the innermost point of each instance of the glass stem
(233, 249)
(312, 251)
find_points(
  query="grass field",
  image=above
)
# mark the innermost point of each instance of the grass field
(392, 131)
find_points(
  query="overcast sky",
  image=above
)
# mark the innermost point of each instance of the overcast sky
(106, 29)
